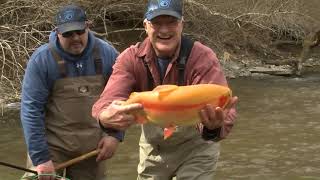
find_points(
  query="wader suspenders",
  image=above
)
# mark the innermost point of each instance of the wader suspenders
(62, 64)
(185, 50)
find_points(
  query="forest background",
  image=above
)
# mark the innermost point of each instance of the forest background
(244, 33)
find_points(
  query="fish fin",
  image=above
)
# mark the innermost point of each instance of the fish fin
(223, 101)
(168, 131)
(164, 90)
(168, 87)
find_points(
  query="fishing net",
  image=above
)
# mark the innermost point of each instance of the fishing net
(35, 177)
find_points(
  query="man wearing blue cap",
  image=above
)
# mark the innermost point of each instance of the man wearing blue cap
(63, 79)
(166, 57)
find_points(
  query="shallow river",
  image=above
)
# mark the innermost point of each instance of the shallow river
(276, 136)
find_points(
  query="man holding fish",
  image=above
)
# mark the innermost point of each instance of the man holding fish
(190, 150)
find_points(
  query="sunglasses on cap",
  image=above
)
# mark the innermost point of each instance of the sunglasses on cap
(70, 33)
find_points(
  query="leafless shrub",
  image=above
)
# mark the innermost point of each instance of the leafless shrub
(235, 24)
(247, 22)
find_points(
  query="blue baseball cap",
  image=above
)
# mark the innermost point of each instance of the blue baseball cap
(157, 8)
(70, 18)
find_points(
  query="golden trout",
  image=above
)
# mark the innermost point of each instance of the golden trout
(169, 105)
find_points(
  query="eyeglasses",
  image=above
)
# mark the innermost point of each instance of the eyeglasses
(173, 23)
(70, 33)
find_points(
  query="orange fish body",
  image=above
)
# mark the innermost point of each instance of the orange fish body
(170, 105)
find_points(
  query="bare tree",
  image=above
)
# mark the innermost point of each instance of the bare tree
(225, 25)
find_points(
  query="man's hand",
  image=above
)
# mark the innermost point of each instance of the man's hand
(215, 117)
(107, 146)
(46, 168)
(119, 116)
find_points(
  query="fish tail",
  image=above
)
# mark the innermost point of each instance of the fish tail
(133, 98)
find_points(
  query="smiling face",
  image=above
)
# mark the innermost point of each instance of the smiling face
(74, 42)
(165, 34)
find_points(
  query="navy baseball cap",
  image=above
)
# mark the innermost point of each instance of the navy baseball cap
(157, 8)
(70, 18)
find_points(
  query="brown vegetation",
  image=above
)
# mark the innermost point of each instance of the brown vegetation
(232, 27)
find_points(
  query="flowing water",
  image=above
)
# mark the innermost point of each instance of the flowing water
(276, 136)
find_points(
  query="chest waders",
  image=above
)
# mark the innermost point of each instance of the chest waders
(70, 129)
(185, 155)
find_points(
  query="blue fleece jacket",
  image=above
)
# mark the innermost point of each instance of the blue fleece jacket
(41, 73)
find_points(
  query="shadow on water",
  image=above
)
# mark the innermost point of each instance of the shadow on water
(275, 137)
